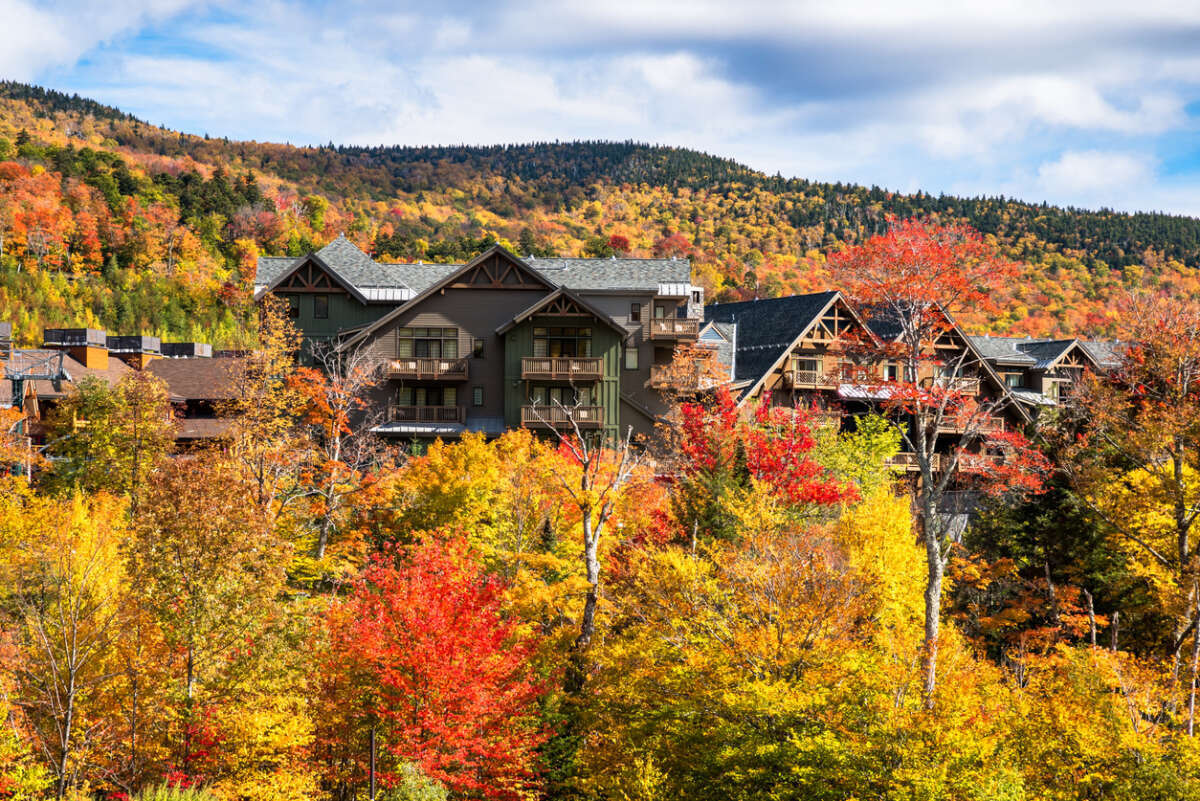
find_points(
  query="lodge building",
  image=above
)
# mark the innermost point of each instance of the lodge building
(501, 341)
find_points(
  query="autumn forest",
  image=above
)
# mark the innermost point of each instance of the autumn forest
(752, 603)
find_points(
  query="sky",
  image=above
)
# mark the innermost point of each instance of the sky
(1077, 103)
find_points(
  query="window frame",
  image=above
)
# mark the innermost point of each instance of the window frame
(446, 335)
(320, 307)
(631, 350)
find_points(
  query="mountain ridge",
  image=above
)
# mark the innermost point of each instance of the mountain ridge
(207, 207)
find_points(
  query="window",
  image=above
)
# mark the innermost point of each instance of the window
(891, 371)
(660, 311)
(477, 396)
(631, 357)
(1014, 380)
(320, 307)
(562, 341)
(681, 312)
(293, 307)
(635, 312)
(427, 396)
(477, 348)
(567, 396)
(436, 343)
(696, 296)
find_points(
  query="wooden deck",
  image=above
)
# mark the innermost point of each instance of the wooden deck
(674, 328)
(426, 414)
(562, 368)
(559, 417)
(428, 369)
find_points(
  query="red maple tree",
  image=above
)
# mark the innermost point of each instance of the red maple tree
(947, 404)
(772, 444)
(448, 675)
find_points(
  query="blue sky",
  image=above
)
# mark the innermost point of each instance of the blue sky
(1089, 104)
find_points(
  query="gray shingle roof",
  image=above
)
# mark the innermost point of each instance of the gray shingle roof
(642, 274)
(1107, 353)
(765, 328)
(363, 272)
(1002, 350)
(1045, 351)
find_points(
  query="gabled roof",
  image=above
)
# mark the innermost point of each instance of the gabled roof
(1107, 353)
(767, 329)
(542, 303)
(722, 339)
(1002, 350)
(444, 281)
(359, 274)
(1036, 354)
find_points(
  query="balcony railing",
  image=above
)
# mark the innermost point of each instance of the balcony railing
(964, 385)
(980, 425)
(565, 368)
(683, 378)
(674, 328)
(808, 379)
(427, 368)
(908, 462)
(426, 414)
(562, 416)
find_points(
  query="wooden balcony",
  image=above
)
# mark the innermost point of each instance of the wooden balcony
(561, 417)
(964, 385)
(674, 328)
(908, 462)
(426, 414)
(562, 368)
(809, 379)
(428, 369)
(983, 425)
(682, 378)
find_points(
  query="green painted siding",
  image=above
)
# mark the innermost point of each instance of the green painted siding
(606, 344)
(344, 312)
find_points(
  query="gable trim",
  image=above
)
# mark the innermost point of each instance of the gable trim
(446, 282)
(585, 307)
(816, 319)
(312, 258)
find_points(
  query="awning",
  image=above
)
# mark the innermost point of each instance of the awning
(1035, 398)
(419, 429)
(863, 393)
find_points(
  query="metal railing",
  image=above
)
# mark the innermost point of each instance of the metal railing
(426, 414)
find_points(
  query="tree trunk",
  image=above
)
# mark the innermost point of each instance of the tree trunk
(933, 616)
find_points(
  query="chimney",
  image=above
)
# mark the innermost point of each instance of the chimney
(187, 350)
(88, 346)
(136, 352)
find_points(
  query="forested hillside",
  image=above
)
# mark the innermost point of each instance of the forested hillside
(109, 220)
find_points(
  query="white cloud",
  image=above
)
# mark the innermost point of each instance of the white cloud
(1071, 101)
(1095, 174)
